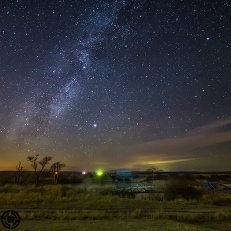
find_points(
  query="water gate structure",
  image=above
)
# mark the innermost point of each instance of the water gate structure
(125, 185)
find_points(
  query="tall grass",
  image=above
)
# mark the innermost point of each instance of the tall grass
(137, 213)
(95, 204)
(216, 197)
(219, 215)
(49, 194)
(16, 194)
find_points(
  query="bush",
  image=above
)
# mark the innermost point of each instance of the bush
(105, 191)
(71, 179)
(183, 189)
(217, 197)
(136, 213)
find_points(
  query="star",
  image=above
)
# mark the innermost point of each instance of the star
(80, 79)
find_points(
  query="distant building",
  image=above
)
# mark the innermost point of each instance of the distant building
(205, 184)
(123, 175)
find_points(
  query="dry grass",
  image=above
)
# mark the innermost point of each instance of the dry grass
(114, 225)
(69, 203)
(216, 197)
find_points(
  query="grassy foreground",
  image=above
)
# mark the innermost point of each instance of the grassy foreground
(118, 225)
(58, 207)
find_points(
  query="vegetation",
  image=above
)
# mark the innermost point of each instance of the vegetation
(19, 172)
(74, 203)
(55, 170)
(179, 187)
(184, 204)
(117, 225)
(35, 165)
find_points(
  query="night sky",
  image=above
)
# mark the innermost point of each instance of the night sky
(116, 84)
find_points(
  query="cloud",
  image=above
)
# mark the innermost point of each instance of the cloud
(214, 127)
(201, 137)
(184, 152)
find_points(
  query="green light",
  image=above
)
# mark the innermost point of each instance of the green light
(99, 172)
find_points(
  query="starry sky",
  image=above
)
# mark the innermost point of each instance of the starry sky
(116, 84)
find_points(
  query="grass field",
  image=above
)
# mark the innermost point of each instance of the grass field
(60, 207)
(118, 225)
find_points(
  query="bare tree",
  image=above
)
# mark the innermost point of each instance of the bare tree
(55, 169)
(19, 169)
(35, 161)
(153, 169)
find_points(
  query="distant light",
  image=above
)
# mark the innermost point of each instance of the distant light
(84, 173)
(84, 67)
(95, 125)
(99, 172)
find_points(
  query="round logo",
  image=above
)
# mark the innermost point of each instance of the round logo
(10, 219)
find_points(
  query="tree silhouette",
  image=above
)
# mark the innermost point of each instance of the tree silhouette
(35, 161)
(153, 169)
(19, 169)
(55, 169)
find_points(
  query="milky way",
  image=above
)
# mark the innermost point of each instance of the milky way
(113, 83)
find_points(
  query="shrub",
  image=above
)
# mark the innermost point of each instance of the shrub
(217, 197)
(159, 214)
(221, 215)
(136, 213)
(183, 189)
